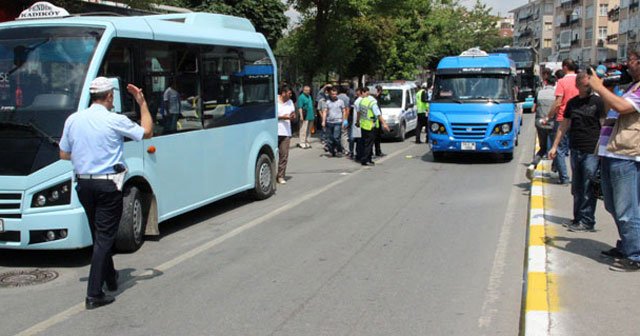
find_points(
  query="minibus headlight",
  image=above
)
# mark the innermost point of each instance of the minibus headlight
(434, 127)
(502, 129)
(58, 194)
(437, 128)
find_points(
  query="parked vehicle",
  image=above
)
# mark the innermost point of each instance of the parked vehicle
(398, 106)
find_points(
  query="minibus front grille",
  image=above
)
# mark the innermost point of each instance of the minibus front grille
(10, 204)
(469, 130)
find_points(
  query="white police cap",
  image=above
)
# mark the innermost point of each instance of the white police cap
(100, 84)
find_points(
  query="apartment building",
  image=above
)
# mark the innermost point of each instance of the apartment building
(583, 30)
(533, 27)
(505, 26)
(628, 18)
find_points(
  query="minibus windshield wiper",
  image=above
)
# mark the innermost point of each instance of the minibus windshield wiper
(31, 127)
(491, 100)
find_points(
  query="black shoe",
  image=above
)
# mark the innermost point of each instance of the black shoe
(569, 223)
(98, 301)
(418, 142)
(381, 155)
(613, 253)
(112, 284)
(370, 163)
(580, 228)
(625, 265)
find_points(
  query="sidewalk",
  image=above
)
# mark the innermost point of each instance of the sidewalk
(584, 297)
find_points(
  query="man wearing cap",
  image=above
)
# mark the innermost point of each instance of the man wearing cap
(422, 107)
(93, 140)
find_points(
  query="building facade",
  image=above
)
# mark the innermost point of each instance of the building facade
(628, 17)
(505, 25)
(533, 27)
(583, 30)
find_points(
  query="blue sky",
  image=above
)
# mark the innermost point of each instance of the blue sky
(501, 7)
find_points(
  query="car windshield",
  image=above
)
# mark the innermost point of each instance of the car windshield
(390, 98)
(473, 87)
(42, 70)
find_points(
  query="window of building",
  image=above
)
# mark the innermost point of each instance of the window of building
(548, 26)
(589, 12)
(547, 43)
(588, 33)
(604, 9)
(548, 9)
(602, 33)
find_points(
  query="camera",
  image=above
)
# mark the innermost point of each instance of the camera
(612, 74)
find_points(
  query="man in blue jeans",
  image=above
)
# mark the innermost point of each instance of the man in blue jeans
(334, 118)
(582, 115)
(619, 149)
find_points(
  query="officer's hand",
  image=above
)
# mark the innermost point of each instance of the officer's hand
(136, 93)
(386, 127)
(553, 153)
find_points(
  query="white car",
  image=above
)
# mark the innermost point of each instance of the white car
(398, 106)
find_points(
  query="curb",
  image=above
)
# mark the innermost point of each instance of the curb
(540, 298)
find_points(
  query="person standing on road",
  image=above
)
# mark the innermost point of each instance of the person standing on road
(93, 140)
(582, 116)
(422, 106)
(377, 129)
(544, 127)
(356, 147)
(305, 111)
(369, 114)
(333, 118)
(286, 113)
(565, 90)
(344, 137)
(619, 151)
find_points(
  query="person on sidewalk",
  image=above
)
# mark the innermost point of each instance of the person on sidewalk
(305, 111)
(619, 150)
(286, 112)
(333, 117)
(565, 90)
(582, 116)
(377, 142)
(93, 140)
(369, 114)
(344, 137)
(544, 127)
(422, 109)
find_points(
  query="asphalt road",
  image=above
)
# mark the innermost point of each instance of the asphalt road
(408, 247)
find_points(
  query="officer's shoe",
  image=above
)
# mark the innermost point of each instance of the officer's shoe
(112, 284)
(93, 302)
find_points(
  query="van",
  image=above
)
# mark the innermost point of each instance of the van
(397, 103)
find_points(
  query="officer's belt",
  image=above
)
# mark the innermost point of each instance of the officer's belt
(95, 176)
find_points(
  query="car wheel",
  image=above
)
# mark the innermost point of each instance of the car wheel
(264, 178)
(130, 236)
(402, 132)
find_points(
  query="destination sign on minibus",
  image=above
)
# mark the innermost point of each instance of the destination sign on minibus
(42, 10)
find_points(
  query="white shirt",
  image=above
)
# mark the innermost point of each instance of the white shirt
(285, 109)
(355, 130)
(95, 137)
(173, 98)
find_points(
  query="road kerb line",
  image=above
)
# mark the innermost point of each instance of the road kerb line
(79, 308)
(541, 288)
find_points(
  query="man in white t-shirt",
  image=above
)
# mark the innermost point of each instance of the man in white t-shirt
(171, 101)
(286, 112)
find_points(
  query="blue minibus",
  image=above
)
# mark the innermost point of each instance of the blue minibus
(222, 142)
(473, 107)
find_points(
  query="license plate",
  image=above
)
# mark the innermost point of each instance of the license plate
(1, 225)
(468, 146)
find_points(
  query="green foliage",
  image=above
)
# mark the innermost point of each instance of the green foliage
(388, 38)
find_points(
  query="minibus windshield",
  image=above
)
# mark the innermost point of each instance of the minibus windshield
(459, 88)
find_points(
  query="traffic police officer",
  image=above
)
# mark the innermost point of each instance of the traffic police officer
(93, 139)
(368, 117)
(422, 106)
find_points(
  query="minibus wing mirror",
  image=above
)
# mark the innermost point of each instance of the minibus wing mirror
(117, 95)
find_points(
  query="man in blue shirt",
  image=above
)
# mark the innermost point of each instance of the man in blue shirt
(93, 139)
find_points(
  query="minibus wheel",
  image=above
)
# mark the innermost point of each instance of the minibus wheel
(264, 178)
(508, 156)
(437, 156)
(130, 236)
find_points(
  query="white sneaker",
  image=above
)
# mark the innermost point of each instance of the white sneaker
(530, 171)
(281, 180)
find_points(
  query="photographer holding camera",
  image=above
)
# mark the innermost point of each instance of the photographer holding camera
(619, 150)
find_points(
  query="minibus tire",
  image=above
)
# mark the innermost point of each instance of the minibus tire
(437, 156)
(508, 156)
(264, 178)
(129, 237)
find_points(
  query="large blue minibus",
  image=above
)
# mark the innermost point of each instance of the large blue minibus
(223, 141)
(473, 107)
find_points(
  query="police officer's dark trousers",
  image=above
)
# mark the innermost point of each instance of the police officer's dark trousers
(368, 138)
(377, 131)
(422, 122)
(102, 202)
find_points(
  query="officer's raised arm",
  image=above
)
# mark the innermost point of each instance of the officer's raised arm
(145, 116)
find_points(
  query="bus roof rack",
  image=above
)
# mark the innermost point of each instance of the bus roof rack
(98, 14)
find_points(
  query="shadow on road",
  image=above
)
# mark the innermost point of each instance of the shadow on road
(466, 158)
(128, 280)
(45, 259)
(585, 247)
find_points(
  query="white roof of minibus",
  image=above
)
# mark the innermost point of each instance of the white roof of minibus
(202, 28)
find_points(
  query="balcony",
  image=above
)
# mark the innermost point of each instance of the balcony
(634, 4)
(575, 42)
(612, 39)
(614, 14)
